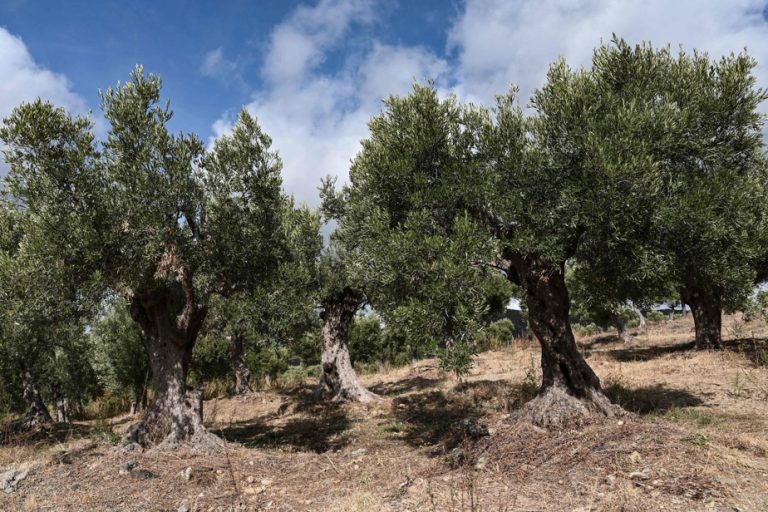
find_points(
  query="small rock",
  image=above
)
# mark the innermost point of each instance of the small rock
(620, 422)
(639, 475)
(128, 467)
(10, 479)
(143, 474)
(656, 483)
(473, 429)
(184, 507)
(359, 452)
(635, 458)
(250, 479)
(481, 462)
(610, 480)
(726, 481)
(266, 482)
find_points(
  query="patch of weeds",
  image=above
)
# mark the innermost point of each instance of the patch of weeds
(698, 439)
(531, 381)
(694, 416)
(741, 385)
(103, 431)
(395, 427)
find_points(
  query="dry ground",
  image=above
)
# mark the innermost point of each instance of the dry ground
(698, 442)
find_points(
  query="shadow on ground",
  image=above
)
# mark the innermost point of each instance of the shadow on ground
(651, 399)
(317, 433)
(631, 353)
(433, 417)
(52, 434)
(404, 386)
(755, 349)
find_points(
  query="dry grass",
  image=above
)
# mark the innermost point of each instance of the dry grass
(698, 442)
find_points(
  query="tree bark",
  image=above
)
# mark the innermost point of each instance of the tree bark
(570, 392)
(621, 327)
(707, 316)
(37, 414)
(139, 399)
(62, 406)
(242, 373)
(176, 414)
(640, 316)
(338, 381)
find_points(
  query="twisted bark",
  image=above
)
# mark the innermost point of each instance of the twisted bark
(570, 391)
(707, 316)
(176, 413)
(338, 381)
(242, 373)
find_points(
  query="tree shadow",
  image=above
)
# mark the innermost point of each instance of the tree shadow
(51, 434)
(630, 354)
(651, 399)
(317, 433)
(440, 417)
(404, 386)
(429, 416)
(754, 349)
(605, 339)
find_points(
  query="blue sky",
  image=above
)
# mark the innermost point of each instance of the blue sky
(313, 72)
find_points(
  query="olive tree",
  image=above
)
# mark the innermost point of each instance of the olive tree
(154, 217)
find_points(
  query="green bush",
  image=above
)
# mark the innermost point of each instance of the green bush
(498, 334)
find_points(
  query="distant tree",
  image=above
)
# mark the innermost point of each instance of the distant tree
(153, 217)
(120, 354)
(280, 309)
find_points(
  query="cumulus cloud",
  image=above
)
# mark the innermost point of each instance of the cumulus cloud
(317, 119)
(501, 42)
(24, 80)
(215, 65)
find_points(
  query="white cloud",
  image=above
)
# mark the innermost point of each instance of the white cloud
(317, 119)
(501, 42)
(215, 65)
(299, 44)
(24, 80)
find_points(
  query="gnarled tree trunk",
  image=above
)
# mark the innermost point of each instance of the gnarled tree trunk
(621, 327)
(570, 391)
(62, 406)
(37, 414)
(139, 398)
(640, 316)
(707, 316)
(242, 373)
(176, 413)
(338, 381)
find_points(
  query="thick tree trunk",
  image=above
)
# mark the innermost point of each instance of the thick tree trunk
(621, 327)
(37, 413)
(570, 392)
(242, 373)
(62, 406)
(338, 381)
(707, 317)
(640, 316)
(139, 399)
(176, 414)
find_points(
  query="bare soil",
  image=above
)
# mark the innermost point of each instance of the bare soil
(698, 440)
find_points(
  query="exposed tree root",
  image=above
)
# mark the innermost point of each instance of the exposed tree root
(555, 408)
(167, 430)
